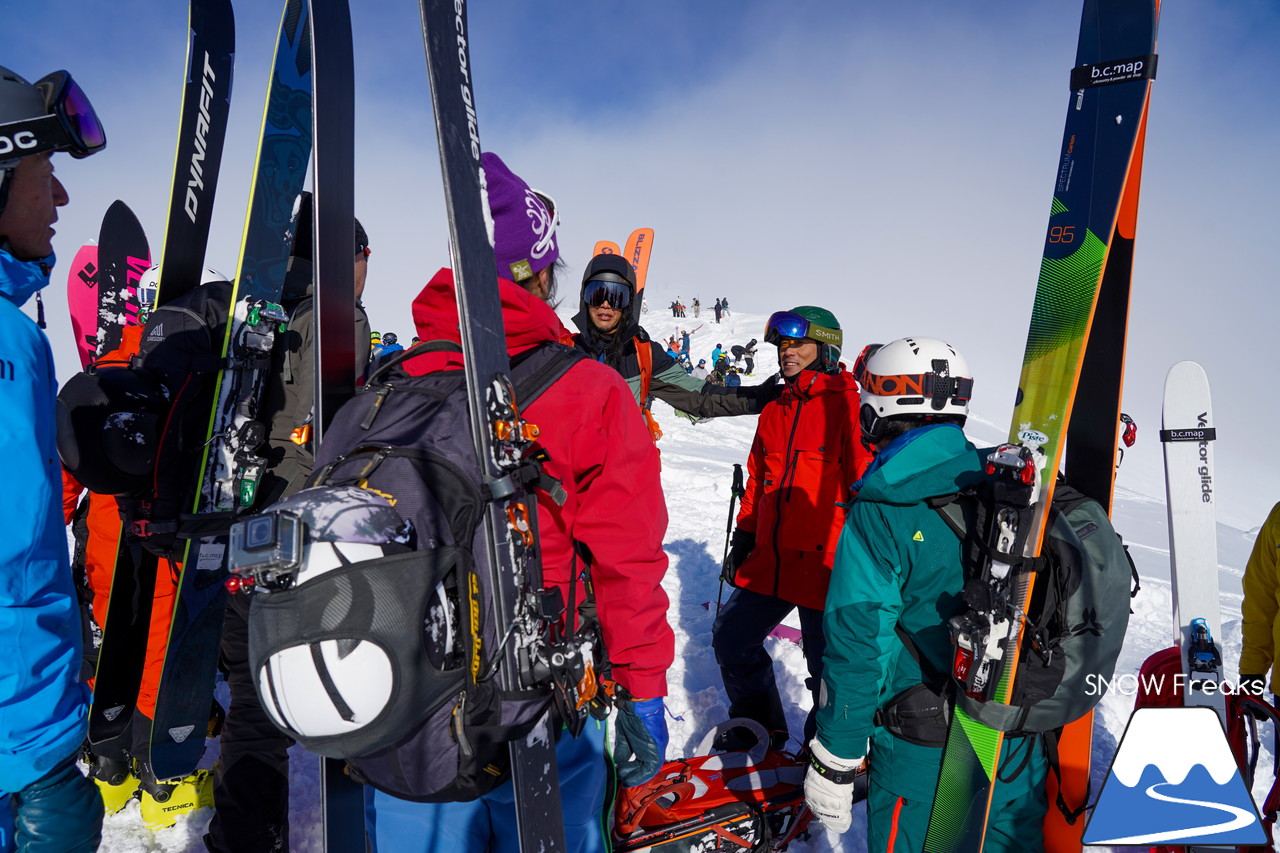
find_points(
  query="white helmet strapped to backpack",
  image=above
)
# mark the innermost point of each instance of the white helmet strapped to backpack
(149, 284)
(922, 378)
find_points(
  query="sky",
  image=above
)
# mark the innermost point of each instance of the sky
(891, 162)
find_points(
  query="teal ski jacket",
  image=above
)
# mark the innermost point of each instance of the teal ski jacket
(897, 562)
(43, 705)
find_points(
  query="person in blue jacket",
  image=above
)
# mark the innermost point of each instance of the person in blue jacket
(43, 704)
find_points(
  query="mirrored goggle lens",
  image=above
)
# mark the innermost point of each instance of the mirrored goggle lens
(784, 324)
(65, 99)
(597, 293)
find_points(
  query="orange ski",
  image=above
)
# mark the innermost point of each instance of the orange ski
(639, 245)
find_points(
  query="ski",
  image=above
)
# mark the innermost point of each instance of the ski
(201, 131)
(123, 255)
(1094, 202)
(638, 248)
(1188, 435)
(228, 474)
(333, 111)
(539, 820)
(605, 247)
(82, 301)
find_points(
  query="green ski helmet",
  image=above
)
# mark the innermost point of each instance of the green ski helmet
(809, 321)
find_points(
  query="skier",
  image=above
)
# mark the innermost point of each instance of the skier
(609, 332)
(603, 458)
(724, 307)
(737, 351)
(390, 343)
(700, 371)
(718, 307)
(897, 568)
(697, 307)
(375, 346)
(717, 354)
(732, 379)
(804, 457)
(251, 780)
(43, 706)
(98, 558)
(749, 356)
(1260, 612)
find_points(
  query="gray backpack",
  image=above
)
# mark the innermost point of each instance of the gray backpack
(1078, 614)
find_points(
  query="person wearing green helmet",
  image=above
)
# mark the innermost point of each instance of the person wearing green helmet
(805, 454)
(44, 706)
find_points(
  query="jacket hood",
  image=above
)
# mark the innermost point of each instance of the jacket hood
(528, 320)
(924, 463)
(628, 328)
(20, 279)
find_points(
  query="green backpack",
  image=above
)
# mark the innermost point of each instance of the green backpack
(1078, 614)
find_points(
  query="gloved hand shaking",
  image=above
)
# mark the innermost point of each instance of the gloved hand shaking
(640, 740)
(742, 544)
(829, 786)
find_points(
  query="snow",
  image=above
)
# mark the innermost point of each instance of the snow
(697, 462)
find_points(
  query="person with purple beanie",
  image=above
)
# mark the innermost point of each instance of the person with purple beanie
(611, 520)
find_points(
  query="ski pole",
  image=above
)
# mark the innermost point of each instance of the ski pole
(736, 490)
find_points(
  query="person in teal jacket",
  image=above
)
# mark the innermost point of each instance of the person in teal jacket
(43, 704)
(898, 569)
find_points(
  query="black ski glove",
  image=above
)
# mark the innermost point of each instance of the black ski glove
(741, 547)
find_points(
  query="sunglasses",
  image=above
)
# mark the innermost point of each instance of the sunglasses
(785, 324)
(616, 293)
(70, 123)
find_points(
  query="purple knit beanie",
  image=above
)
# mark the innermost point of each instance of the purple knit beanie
(522, 229)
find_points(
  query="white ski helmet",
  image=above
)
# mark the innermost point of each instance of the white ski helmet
(149, 284)
(922, 378)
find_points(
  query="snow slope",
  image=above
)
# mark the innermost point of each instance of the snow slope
(697, 460)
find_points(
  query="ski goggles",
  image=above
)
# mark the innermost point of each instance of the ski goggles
(616, 293)
(785, 324)
(928, 385)
(70, 123)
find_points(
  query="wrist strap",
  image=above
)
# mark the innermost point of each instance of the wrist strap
(839, 777)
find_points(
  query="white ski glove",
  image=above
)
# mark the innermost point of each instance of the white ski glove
(829, 786)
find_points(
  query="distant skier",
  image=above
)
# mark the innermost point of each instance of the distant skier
(43, 706)
(790, 520)
(700, 369)
(732, 379)
(717, 354)
(1260, 612)
(391, 344)
(898, 569)
(749, 356)
(697, 307)
(718, 308)
(724, 307)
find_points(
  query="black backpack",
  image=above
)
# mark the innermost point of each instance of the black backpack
(379, 646)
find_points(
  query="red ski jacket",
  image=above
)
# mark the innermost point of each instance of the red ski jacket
(601, 452)
(805, 456)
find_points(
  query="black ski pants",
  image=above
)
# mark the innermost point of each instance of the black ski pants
(738, 636)
(251, 781)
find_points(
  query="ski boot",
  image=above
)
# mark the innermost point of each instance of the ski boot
(163, 802)
(115, 780)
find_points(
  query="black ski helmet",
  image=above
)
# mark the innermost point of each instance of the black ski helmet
(389, 338)
(109, 425)
(610, 267)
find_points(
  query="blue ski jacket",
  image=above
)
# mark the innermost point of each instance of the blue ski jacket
(43, 705)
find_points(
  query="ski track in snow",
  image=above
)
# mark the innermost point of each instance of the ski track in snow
(697, 462)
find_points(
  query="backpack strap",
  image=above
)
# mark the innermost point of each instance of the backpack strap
(531, 381)
(644, 358)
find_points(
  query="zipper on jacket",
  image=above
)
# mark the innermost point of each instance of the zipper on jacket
(789, 467)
